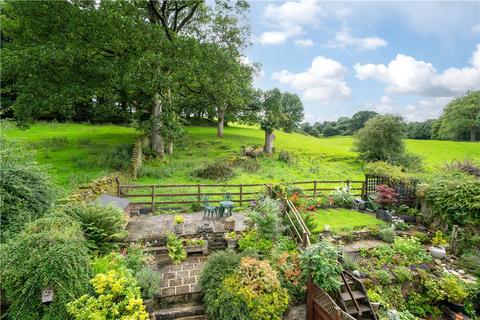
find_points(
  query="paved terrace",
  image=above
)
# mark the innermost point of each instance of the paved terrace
(154, 227)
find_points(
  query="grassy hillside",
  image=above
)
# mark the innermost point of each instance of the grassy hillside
(78, 153)
(316, 158)
(75, 153)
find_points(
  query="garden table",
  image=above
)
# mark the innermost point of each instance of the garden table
(226, 207)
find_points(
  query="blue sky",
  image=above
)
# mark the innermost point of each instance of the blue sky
(408, 58)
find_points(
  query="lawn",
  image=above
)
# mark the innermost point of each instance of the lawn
(75, 153)
(342, 219)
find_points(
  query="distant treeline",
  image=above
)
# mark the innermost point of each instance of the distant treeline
(460, 120)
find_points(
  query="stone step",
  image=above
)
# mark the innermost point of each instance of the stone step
(183, 312)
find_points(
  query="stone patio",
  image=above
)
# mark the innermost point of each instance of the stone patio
(182, 278)
(154, 227)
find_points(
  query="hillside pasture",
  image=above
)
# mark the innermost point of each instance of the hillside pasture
(77, 153)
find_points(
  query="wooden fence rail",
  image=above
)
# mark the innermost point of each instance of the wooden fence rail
(153, 196)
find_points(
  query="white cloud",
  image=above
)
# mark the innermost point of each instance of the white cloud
(288, 19)
(303, 43)
(475, 28)
(323, 81)
(344, 39)
(421, 110)
(406, 75)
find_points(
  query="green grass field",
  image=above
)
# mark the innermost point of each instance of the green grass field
(342, 219)
(78, 153)
(74, 153)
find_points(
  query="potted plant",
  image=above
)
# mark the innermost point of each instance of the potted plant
(386, 198)
(229, 224)
(231, 238)
(375, 299)
(178, 222)
(438, 246)
(196, 245)
(456, 292)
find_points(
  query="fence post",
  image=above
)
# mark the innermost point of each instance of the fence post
(314, 189)
(198, 193)
(348, 185)
(310, 297)
(153, 198)
(118, 186)
(241, 194)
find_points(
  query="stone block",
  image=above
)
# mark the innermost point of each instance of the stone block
(168, 291)
(189, 280)
(174, 282)
(168, 276)
(182, 290)
(182, 274)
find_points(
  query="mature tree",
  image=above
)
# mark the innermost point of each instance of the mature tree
(461, 118)
(292, 107)
(343, 126)
(420, 130)
(274, 114)
(68, 56)
(381, 139)
(309, 129)
(330, 129)
(359, 119)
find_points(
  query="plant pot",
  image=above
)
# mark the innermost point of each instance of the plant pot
(178, 228)
(407, 218)
(438, 252)
(384, 214)
(229, 225)
(231, 243)
(457, 307)
(375, 306)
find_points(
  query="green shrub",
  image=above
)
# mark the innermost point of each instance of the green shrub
(455, 289)
(217, 170)
(454, 202)
(387, 234)
(49, 253)
(116, 297)
(220, 265)
(176, 251)
(471, 262)
(402, 274)
(106, 263)
(342, 198)
(410, 161)
(26, 192)
(103, 227)
(383, 277)
(256, 291)
(251, 242)
(119, 157)
(422, 237)
(410, 251)
(380, 139)
(149, 281)
(321, 262)
(266, 218)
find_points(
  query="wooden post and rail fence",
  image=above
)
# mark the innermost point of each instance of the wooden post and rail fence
(158, 195)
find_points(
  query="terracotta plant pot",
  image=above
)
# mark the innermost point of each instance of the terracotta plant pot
(438, 252)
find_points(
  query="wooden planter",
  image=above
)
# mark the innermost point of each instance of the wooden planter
(197, 249)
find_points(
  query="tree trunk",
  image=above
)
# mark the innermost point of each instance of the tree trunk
(221, 122)
(169, 149)
(473, 134)
(268, 147)
(156, 139)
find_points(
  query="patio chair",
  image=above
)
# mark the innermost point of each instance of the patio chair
(208, 210)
